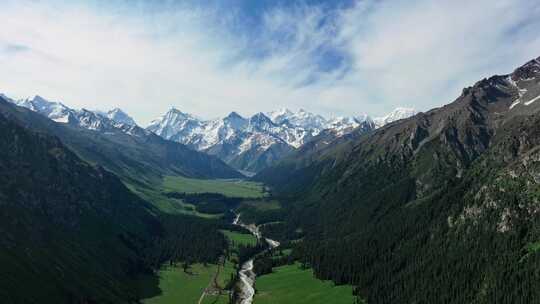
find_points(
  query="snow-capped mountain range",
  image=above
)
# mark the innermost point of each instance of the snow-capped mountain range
(246, 143)
(111, 121)
(284, 125)
(119, 116)
(252, 143)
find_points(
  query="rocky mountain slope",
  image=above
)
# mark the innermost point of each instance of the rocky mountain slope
(254, 143)
(438, 208)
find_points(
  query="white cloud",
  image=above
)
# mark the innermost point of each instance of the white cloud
(424, 52)
(411, 53)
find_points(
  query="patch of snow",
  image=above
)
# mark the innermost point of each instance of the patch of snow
(397, 114)
(120, 116)
(62, 119)
(511, 81)
(521, 91)
(515, 103)
(532, 100)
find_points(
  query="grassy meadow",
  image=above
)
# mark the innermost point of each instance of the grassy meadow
(237, 238)
(230, 188)
(155, 192)
(178, 286)
(292, 285)
(264, 205)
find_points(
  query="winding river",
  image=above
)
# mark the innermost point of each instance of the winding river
(246, 275)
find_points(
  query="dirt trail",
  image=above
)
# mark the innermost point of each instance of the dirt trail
(213, 285)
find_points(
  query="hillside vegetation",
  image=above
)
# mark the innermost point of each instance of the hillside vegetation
(438, 208)
(73, 233)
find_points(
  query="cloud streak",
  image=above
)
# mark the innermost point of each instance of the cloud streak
(368, 57)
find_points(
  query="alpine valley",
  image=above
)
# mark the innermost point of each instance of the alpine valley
(281, 207)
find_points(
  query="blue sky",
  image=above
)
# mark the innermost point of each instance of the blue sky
(212, 57)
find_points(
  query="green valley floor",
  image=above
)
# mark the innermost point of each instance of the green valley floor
(292, 285)
(178, 286)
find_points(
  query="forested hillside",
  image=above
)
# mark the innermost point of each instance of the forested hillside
(73, 233)
(439, 208)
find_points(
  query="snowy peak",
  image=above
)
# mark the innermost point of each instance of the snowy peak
(52, 109)
(524, 82)
(90, 120)
(59, 112)
(235, 121)
(176, 116)
(314, 123)
(301, 118)
(120, 116)
(345, 124)
(113, 121)
(280, 115)
(528, 71)
(234, 116)
(342, 120)
(172, 123)
(260, 122)
(396, 114)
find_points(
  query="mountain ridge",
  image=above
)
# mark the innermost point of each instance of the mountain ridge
(133, 153)
(256, 142)
(439, 207)
(248, 144)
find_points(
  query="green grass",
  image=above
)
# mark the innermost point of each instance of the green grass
(179, 287)
(221, 299)
(166, 204)
(533, 247)
(155, 192)
(287, 251)
(231, 188)
(263, 205)
(238, 238)
(159, 200)
(292, 285)
(175, 285)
